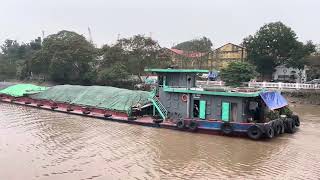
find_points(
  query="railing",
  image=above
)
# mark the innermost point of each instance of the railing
(281, 85)
(159, 106)
(278, 85)
(210, 83)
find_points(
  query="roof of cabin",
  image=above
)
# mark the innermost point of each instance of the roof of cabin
(177, 70)
(213, 93)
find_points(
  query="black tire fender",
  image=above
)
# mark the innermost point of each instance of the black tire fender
(180, 124)
(269, 131)
(54, 107)
(106, 115)
(291, 127)
(277, 127)
(226, 128)
(282, 127)
(193, 125)
(132, 118)
(157, 121)
(255, 132)
(296, 120)
(85, 112)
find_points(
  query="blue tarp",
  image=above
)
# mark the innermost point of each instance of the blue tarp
(274, 100)
(213, 74)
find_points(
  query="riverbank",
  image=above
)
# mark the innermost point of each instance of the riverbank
(303, 97)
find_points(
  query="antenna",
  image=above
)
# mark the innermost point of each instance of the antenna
(90, 36)
(42, 34)
(118, 37)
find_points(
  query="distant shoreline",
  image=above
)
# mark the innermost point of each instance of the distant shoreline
(303, 97)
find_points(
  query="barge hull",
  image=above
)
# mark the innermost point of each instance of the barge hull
(205, 126)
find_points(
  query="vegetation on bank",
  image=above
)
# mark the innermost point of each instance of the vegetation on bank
(276, 44)
(68, 58)
(272, 45)
(238, 72)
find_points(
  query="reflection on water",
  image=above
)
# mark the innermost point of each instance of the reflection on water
(38, 144)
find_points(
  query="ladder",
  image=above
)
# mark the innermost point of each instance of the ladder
(159, 106)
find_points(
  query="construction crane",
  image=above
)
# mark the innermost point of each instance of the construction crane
(90, 36)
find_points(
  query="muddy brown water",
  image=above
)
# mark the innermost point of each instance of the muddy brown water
(39, 144)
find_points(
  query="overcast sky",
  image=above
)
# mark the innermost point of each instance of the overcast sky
(168, 21)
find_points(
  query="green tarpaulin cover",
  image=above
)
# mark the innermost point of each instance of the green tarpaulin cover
(104, 97)
(22, 89)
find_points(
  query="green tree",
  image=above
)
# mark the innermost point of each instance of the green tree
(276, 44)
(237, 72)
(129, 56)
(7, 69)
(67, 56)
(112, 67)
(141, 52)
(313, 63)
(14, 58)
(111, 55)
(24, 67)
(203, 44)
(11, 53)
(113, 75)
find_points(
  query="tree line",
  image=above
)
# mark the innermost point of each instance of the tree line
(68, 58)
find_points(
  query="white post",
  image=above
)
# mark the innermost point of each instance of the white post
(279, 85)
(297, 85)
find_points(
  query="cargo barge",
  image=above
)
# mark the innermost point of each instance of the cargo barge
(175, 103)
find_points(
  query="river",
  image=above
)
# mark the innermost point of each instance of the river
(39, 144)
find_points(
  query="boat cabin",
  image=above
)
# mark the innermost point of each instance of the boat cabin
(177, 97)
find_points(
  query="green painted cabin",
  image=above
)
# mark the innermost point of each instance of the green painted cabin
(200, 103)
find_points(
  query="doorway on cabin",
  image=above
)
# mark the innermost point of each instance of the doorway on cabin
(199, 109)
(196, 108)
(229, 111)
(233, 112)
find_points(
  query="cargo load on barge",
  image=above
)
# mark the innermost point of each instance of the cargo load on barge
(175, 103)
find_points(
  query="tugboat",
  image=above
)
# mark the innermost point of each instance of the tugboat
(253, 113)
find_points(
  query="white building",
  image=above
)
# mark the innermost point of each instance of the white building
(285, 74)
